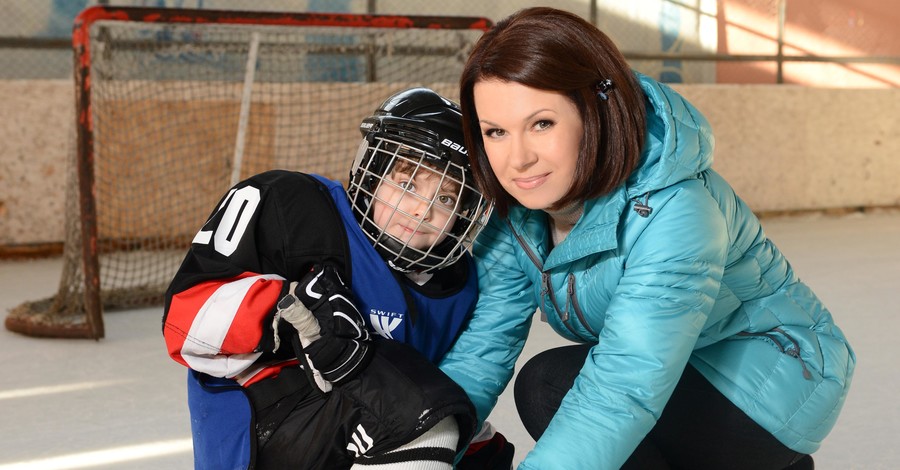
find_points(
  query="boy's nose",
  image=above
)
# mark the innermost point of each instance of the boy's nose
(417, 206)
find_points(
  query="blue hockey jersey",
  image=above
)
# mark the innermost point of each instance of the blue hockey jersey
(267, 231)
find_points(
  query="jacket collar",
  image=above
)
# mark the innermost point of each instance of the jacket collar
(595, 232)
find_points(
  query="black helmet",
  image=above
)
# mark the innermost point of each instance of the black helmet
(417, 134)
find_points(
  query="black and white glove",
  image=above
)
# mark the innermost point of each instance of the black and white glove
(333, 340)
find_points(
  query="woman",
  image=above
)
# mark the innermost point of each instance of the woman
(700, 346)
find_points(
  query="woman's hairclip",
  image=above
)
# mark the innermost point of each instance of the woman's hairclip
(603, 88)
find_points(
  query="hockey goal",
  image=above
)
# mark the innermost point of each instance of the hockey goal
(176, 105)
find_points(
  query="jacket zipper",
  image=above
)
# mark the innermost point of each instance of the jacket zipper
(547, 287)
(792, 352)
(570, 289)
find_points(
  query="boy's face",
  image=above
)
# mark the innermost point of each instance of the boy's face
(413, 206)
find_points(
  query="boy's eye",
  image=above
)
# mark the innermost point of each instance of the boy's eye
(408, 185)
(447, 200)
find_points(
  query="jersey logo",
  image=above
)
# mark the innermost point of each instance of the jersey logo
(362, 443)
(384, 323)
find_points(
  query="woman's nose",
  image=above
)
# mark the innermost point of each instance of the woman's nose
(521, 155)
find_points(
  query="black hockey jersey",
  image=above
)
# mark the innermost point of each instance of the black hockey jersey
(269, 230)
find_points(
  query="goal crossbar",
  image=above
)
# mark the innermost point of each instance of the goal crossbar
(368, 46)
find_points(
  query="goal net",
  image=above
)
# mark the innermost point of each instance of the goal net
(174, 106)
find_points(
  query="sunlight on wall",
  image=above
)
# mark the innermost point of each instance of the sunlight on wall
(749, 29)
(653, 26)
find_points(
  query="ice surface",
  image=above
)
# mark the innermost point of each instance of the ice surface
(120, 402)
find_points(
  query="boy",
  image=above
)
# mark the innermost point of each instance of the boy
(283, 284)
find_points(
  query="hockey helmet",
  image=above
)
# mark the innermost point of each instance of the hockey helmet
(416, 133)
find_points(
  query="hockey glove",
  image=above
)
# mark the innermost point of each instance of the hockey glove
(495, 453)
(333, 339)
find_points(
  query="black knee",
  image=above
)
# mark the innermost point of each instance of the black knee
(542, 383)
(804, 463)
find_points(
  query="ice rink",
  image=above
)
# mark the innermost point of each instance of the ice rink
(120, 402)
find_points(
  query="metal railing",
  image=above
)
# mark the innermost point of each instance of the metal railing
(28, 49)
(779, 58)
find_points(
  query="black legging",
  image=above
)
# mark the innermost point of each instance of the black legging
(699, 427)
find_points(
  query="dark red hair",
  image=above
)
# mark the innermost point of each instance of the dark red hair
(554, 50)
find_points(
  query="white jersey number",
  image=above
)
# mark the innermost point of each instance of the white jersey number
(239, 206)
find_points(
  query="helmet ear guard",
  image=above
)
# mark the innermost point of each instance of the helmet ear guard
(415, 132)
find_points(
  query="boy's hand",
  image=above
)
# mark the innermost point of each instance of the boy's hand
(331, 331)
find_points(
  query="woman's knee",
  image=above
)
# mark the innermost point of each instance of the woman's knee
(542, 383)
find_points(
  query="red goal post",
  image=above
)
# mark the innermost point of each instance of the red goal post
(173, 106)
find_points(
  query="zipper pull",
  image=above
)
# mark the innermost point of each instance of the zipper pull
(545, 288)
(643, 209)
(570, 291)
(795, 353)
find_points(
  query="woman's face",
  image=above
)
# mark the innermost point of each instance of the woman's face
(531, 138)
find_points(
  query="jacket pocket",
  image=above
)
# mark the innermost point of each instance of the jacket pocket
(784, 342)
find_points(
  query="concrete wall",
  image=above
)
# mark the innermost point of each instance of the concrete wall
(37, 131)
(783, 148)
(787, 148)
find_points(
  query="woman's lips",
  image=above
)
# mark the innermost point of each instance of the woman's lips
(531, 182)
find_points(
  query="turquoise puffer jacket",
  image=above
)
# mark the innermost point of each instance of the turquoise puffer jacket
(695, 280)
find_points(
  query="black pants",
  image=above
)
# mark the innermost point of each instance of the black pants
(698, 429)
(394, 400)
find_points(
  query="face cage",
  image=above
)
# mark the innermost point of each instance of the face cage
(372, 170)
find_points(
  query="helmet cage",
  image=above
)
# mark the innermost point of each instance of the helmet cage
(407, 146)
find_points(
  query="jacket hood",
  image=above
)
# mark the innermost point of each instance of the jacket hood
(679, 141)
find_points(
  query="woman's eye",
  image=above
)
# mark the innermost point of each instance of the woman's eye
(493, 133)
(543, 124)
